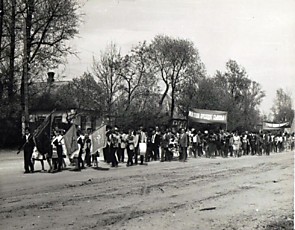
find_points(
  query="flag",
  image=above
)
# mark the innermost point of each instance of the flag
(41, 136)
(98, 139)
(70, 139)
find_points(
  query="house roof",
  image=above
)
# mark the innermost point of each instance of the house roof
(45, 96)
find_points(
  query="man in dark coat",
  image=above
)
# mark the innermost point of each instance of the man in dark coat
(183, 144)
(106, 149)
(28, 147)
(155, 143)
(114, 146)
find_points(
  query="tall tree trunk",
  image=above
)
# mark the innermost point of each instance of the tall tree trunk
(12, 51)
(26, 58)
(1, 25)
(129, 96)
(172, 103)
(164, 95)
(1, 35)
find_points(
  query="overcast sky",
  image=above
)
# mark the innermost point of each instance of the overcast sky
(258, 34)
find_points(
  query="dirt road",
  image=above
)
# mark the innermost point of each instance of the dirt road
(251, 192)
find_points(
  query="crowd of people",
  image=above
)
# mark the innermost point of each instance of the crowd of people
(165, 145)
(141, 146)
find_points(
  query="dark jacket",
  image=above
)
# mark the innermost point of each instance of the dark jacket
(28, 145)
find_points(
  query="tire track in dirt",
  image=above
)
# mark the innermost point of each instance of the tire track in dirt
(114, 218)
(113, 192)
(104, 192)
(129, 186)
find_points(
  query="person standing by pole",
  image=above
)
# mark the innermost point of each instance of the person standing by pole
(28, 147)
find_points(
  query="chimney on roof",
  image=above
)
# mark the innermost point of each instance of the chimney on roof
(50, 78)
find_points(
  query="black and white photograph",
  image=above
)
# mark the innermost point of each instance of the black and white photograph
(147, 114)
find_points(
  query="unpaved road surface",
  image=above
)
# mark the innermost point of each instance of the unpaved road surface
(252, 192)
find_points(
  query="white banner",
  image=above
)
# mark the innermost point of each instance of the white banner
(208, 116)
(269, 125)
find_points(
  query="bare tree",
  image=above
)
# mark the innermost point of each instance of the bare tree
(134, 69)
(172, 59)
(107, 72)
